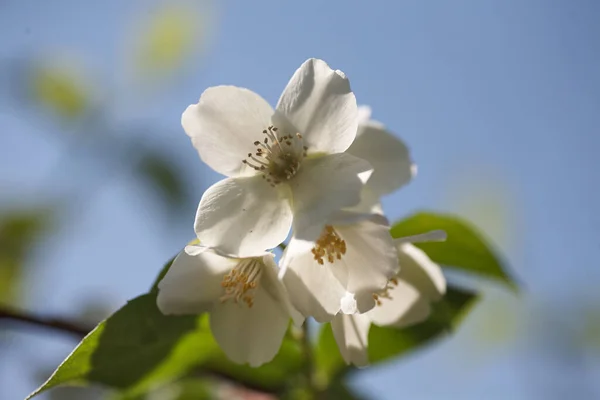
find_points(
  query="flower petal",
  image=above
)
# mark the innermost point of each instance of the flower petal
(370, 202)
(417, 269)
(364, 114)
(275, 288)
(371, 259)
(243, 216)
(193, 282)
(318, 102)
(323, 186)
(312, 288)
(389, 156)
(405, 306)
(351, 333)
(250, 335)
(224, 125)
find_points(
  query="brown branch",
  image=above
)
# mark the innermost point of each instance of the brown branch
(58, 324)
(79, 330)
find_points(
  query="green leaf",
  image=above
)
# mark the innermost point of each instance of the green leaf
(328, 359)
(387, 342)
(273, 376)
(193, 389)
(60, 88)
(134, 349)
(20, 231)
(137, 349)
(340, 391)
(168, 39)
(465, 249)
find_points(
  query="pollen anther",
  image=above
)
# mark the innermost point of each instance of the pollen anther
(385, 292)
(278, 157)
(239, 284)
(329, 246)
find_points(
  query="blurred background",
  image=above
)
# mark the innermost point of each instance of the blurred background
(498, 100)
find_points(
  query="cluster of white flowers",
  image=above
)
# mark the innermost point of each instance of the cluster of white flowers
(317, 166)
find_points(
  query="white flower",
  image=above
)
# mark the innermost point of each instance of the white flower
(405, 301)
(355, 253)
(248, 306)
(281, 164)
(389, 156)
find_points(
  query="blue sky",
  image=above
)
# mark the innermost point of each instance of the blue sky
(504, 93)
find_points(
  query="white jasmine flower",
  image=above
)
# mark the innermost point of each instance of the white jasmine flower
(406, 300)
(281, 164)
(388, 155)
(354, 253)
(248, 306)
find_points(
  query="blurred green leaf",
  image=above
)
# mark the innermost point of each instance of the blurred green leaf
(273, 376)
(192, 389)
(19, 233)
(340, 391)
(465, 249)
(387, 342)
(164, 178)
(590, 336)
(59, 89)
(168, 38)
(328, 359)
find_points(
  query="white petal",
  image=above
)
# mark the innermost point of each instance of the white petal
(313, 289)
(224, 125)
(250, 335)
(243, 216)
(323, 186)
(371, 259)
(405, 306)
(364, 114)
(348, 304)
(370, 202)
(275, 288)
(193, 282)
(351, 333)
(389, 156)
(417, 269)
(318, 102)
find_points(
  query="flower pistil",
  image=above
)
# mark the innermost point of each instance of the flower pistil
(277, 157)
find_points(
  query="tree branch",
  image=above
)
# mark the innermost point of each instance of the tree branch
(80, 330)
(58, 324)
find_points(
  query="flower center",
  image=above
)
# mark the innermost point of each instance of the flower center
(329, 245)
(240, 283)
(277, 157)
(385, 292)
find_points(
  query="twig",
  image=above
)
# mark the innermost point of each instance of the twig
(309, 369)
(58, 324)
(79, 330)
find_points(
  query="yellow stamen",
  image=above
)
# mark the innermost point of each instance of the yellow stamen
(240, 283)
(277, 158)
(329, 245)
(385, 292)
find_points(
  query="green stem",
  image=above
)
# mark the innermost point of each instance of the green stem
(309, 363)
